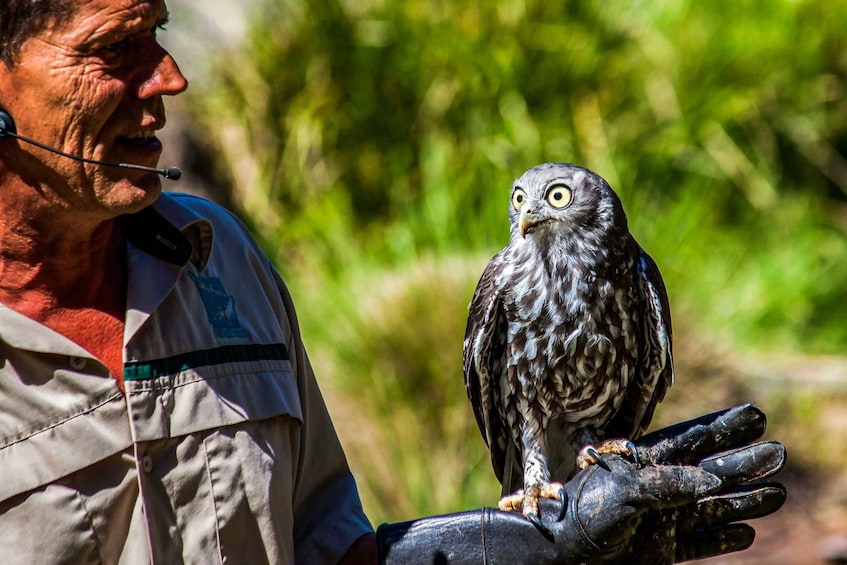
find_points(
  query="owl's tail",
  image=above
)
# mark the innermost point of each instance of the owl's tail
(512, 471)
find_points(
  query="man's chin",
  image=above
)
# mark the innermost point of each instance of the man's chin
(132, 195)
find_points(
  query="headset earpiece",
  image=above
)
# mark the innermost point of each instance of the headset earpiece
(7, 124)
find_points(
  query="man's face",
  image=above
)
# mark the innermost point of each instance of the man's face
(92, 85)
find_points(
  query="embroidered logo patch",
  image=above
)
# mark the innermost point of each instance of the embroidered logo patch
(220, 306)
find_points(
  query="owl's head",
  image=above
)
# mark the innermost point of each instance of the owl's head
(559, 199)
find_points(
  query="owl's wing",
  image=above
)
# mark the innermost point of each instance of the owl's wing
(484, 360)
(655, 359)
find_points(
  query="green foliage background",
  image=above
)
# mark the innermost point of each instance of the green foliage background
(372, 143)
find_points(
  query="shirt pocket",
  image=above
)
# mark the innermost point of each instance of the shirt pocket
(252, 470)
(222, 444)
(47, 525)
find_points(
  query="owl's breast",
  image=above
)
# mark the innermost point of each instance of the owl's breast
(575, 353)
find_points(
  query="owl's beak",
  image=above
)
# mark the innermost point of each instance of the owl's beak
(528, 220)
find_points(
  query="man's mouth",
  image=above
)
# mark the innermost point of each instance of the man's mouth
(140, 140)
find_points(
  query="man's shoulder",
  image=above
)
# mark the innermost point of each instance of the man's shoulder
(190, 207)
(208, 225)
(183, 210)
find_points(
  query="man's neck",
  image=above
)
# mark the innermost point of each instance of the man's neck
(65, 269)
(75, 285)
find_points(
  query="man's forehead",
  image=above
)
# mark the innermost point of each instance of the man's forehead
(99, 12)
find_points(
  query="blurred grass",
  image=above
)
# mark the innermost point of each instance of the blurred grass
(371, 144)
(392, 358)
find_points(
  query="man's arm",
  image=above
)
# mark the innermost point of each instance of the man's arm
(362, 552)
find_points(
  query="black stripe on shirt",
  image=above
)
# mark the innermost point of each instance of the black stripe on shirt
(145, 370)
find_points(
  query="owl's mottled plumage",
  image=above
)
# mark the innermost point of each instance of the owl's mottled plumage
(568, 339)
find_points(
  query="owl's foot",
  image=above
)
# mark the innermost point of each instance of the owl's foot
(526, 500)
(591, 455)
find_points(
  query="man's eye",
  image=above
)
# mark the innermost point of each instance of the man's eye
(118, 47)
(123, 47)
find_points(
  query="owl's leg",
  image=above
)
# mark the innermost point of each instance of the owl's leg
(537, 482)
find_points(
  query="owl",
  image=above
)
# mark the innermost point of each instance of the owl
(567, 349)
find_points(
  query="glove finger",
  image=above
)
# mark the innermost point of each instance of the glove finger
(667, 486)
(736, 504)
(714, 541)
(689, 442)
(748, 463)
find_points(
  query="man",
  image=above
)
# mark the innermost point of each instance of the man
(156, 402)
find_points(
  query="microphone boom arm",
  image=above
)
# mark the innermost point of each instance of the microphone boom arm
(8, 129)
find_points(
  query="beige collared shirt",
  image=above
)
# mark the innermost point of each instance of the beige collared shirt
(222, 449)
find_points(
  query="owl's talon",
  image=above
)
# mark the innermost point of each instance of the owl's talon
(563, 504)
(598, 459)
(633, 452)
(539, 525)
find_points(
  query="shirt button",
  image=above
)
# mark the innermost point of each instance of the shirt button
(77, 363)
(146, 463)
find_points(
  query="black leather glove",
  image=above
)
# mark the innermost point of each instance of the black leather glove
(683, 503)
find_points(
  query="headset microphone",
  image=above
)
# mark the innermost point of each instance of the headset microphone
(7, 129)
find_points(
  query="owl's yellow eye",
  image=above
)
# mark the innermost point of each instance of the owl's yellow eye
(518, 198)
(559, 196)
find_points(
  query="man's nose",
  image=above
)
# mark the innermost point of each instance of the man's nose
(164, 77)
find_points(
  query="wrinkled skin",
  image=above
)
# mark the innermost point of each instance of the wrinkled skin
(85, 85)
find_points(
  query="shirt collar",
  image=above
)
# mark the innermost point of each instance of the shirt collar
(170, 232)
